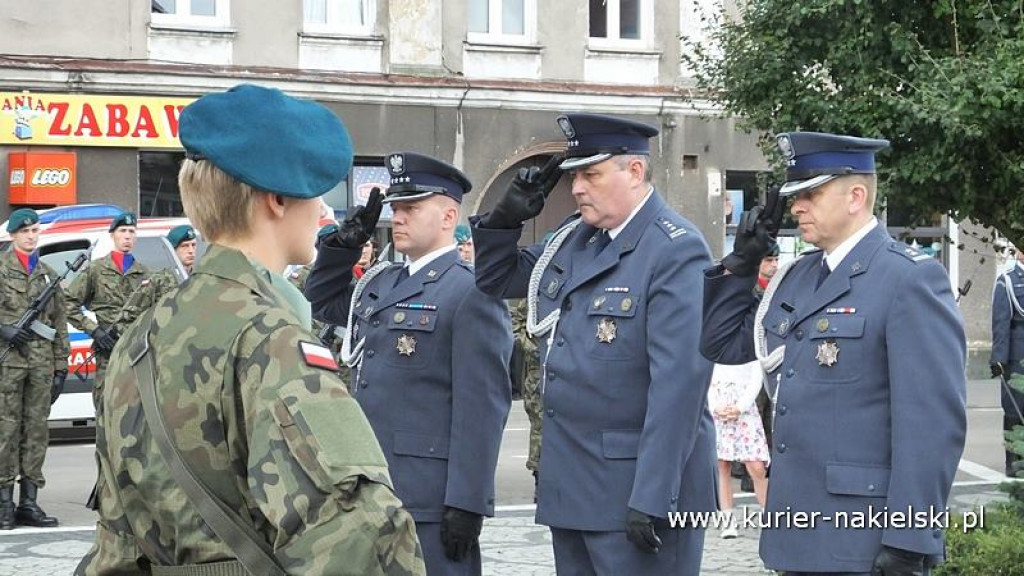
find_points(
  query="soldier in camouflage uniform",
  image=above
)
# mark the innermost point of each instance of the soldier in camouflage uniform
(105, 287)
(183, 240)
(32, 375)
(250, 401)
(532, 398)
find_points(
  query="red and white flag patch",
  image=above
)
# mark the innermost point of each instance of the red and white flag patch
(318, 356)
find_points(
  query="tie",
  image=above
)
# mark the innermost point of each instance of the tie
(402, 275)
(823, 273)
(602, 241)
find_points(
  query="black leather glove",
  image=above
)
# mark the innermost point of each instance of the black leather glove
(896, 562)
(15, 336)
(525, 196)
(640, 531)
(997, 369)
(460, 531)
(58, 385)
(104, 338)
(755, 235)
(357, 228)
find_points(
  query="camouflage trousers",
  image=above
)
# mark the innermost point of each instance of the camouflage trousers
(24, 432)
(97, 383)
(533, 403)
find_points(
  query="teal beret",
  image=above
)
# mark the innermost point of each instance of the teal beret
(462, 234)
(268, 140)
(179, 234)
(125, 218)
(21, 218)
(326, 231)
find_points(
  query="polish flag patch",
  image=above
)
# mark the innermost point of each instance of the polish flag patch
(318, 356)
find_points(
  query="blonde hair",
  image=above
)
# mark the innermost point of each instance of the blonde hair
(218, 205)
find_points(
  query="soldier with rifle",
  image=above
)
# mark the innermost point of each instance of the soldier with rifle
(33, 366)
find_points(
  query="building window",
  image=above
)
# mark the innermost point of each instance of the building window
(502, 20)
(190, 12)
(339, 16)
(158, 184)
(626, 22)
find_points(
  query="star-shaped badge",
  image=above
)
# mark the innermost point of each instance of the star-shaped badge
(828, 353)
(606, 331)
(406, 345)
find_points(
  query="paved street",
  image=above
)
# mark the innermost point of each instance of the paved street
(512, 543)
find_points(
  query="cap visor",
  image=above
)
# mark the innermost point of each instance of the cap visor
(572, 163)
(405, 197)
(798, 186)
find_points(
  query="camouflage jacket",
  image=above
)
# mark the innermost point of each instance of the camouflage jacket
(17, 291)
(105, 291)
(150, 291)
(276, 438)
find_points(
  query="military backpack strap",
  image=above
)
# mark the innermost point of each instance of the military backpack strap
(251, 550)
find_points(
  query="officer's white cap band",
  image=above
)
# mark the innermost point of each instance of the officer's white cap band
(791, 188)
(572, 163)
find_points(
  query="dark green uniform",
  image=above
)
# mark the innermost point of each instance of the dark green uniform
(532, 397)
(25, 379)
(105, 291)
(275, 437)
(298, 278)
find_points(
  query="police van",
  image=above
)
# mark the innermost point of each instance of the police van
(67, 232)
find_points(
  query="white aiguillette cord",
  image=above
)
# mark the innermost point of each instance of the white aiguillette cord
(351, 356)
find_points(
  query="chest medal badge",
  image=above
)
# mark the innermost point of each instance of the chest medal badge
(828, 353)
(606, 331)
(406, 345)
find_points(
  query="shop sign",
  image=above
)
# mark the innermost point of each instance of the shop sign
(30, 118)
(42, 178)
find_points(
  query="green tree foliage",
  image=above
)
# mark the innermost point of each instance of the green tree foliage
(942, 79)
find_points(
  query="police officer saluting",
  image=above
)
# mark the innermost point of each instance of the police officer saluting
(865, 416)
(614, 297)
(32, 375)
(430, 354)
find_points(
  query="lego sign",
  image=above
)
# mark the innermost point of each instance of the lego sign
(28, 118)
(42, 177)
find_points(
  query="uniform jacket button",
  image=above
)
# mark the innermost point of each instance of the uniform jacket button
(568, 305)
(561, 341)
(551, 413)
(376, 323)
(783, 410)
(551, 375)
(370, 353)
(799, 334)
(782, 448)
(871, 487)
(362, 384)
(790, 373)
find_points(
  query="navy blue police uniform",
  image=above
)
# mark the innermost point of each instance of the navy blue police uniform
(868, 381)
(432, 374)
(626, 426)
(1008, 347)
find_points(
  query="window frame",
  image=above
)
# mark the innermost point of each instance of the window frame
(334, 26)
(613, 23)
(182, 16)
(494, 22)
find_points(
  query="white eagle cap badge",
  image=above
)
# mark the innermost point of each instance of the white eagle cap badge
(567, 128)
(786, 146)
(396, 162)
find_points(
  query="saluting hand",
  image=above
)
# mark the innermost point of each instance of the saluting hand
(357, 228)
(524, 199)
(755, 235)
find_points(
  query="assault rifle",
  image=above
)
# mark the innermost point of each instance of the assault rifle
(30, 319)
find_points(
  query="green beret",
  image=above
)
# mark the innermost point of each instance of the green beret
(774, 251)
(462, 234)
(21, 218)
(126, 218)
(179, 234)
(268, 140)
(326, 231)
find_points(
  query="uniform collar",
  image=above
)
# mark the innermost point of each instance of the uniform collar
(230, 264)
(835, 258)
(618, 229)
(423, 261)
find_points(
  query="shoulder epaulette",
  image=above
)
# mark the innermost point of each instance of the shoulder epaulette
(672, 228)
(908, 252)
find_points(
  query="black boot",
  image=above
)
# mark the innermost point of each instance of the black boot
(7, 508)
(29, 513)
